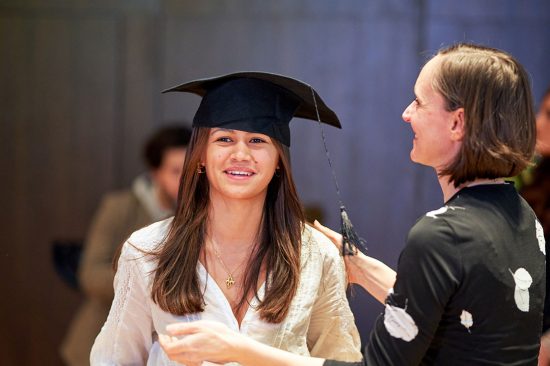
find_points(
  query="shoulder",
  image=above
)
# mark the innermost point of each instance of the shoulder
(148, 238)
(118, 202)
(321, 259)
(435, 237)
(316, 242)
(436, 227)
(431, 255)
(120, 197)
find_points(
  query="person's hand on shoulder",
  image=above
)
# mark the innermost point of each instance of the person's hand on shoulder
(371, 274)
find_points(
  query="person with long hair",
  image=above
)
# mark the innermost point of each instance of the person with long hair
(238, 250)
(470, 282)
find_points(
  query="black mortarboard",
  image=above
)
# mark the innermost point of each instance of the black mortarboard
(256, 102)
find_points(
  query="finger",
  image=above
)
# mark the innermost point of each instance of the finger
(167, 338)
(335, 237)
(190, 359)
(164, 339)
(170, 348)
(183, 358)
(183, 328)
(168, 343)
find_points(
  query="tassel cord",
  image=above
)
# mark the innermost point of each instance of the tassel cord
(351, 241)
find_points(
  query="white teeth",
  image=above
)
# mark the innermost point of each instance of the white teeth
(236, 172)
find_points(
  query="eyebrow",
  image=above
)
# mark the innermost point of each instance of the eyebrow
(214, 130)
(416, 94)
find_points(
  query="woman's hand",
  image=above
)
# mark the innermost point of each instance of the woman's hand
(202, 341)
(371, 274)
(210, 341)
(352, 267)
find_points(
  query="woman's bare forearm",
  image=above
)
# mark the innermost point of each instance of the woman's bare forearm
(253, 353)
(371, 274)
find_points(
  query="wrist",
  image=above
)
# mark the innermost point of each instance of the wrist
(354, 268)
(242, 349)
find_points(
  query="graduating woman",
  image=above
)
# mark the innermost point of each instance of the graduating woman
(238, 250)
(470, 282)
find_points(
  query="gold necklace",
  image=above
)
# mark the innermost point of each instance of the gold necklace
(230, 280)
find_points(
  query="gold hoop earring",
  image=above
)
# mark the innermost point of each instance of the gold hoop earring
(201, 169)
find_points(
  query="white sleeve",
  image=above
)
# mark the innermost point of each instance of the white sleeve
(332, 332)
(127, 335)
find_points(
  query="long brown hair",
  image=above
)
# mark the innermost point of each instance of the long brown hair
(494, 90)
(176, 286)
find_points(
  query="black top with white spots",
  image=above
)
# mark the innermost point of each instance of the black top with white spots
(470, 286)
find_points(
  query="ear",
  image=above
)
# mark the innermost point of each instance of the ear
(457, 126)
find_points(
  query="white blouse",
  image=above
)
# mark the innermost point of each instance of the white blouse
(319, 322)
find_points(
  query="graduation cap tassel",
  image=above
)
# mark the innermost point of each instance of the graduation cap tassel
(351, 241)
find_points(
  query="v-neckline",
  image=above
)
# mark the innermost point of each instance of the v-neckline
(226, 305)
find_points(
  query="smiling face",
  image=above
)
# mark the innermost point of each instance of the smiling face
(437, 132)
(239, 164)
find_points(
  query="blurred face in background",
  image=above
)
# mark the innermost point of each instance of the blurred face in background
(543, 127)
(167, 176)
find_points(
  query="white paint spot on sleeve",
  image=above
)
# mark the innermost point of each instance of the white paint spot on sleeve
(440, 211)
(523, 281)
(399, 324)
(433, 214)
(466, 319)
(540, 237)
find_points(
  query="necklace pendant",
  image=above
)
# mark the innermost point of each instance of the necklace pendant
(229, 281)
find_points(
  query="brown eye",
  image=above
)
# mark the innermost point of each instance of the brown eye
(223, 139)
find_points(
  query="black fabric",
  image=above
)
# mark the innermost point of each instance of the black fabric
(537, 194)
(256, 102)
(461, 258)
(66, 259)
(248, 105)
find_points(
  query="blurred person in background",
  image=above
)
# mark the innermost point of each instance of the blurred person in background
(152, 197)
(536, 192)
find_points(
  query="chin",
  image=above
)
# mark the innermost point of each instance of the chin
(412, 156)
(417, 160)
(244, 196)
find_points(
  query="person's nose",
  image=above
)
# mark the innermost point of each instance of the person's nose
(241, 152)
(407, 113)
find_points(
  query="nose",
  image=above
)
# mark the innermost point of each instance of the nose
(241, 152)
(407, 113)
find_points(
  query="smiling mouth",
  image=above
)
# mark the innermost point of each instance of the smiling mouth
(238, 173)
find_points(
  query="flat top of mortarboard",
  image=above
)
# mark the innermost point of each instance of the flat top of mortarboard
(303, 91)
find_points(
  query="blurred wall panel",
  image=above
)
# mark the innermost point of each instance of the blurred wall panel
(60, 126)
